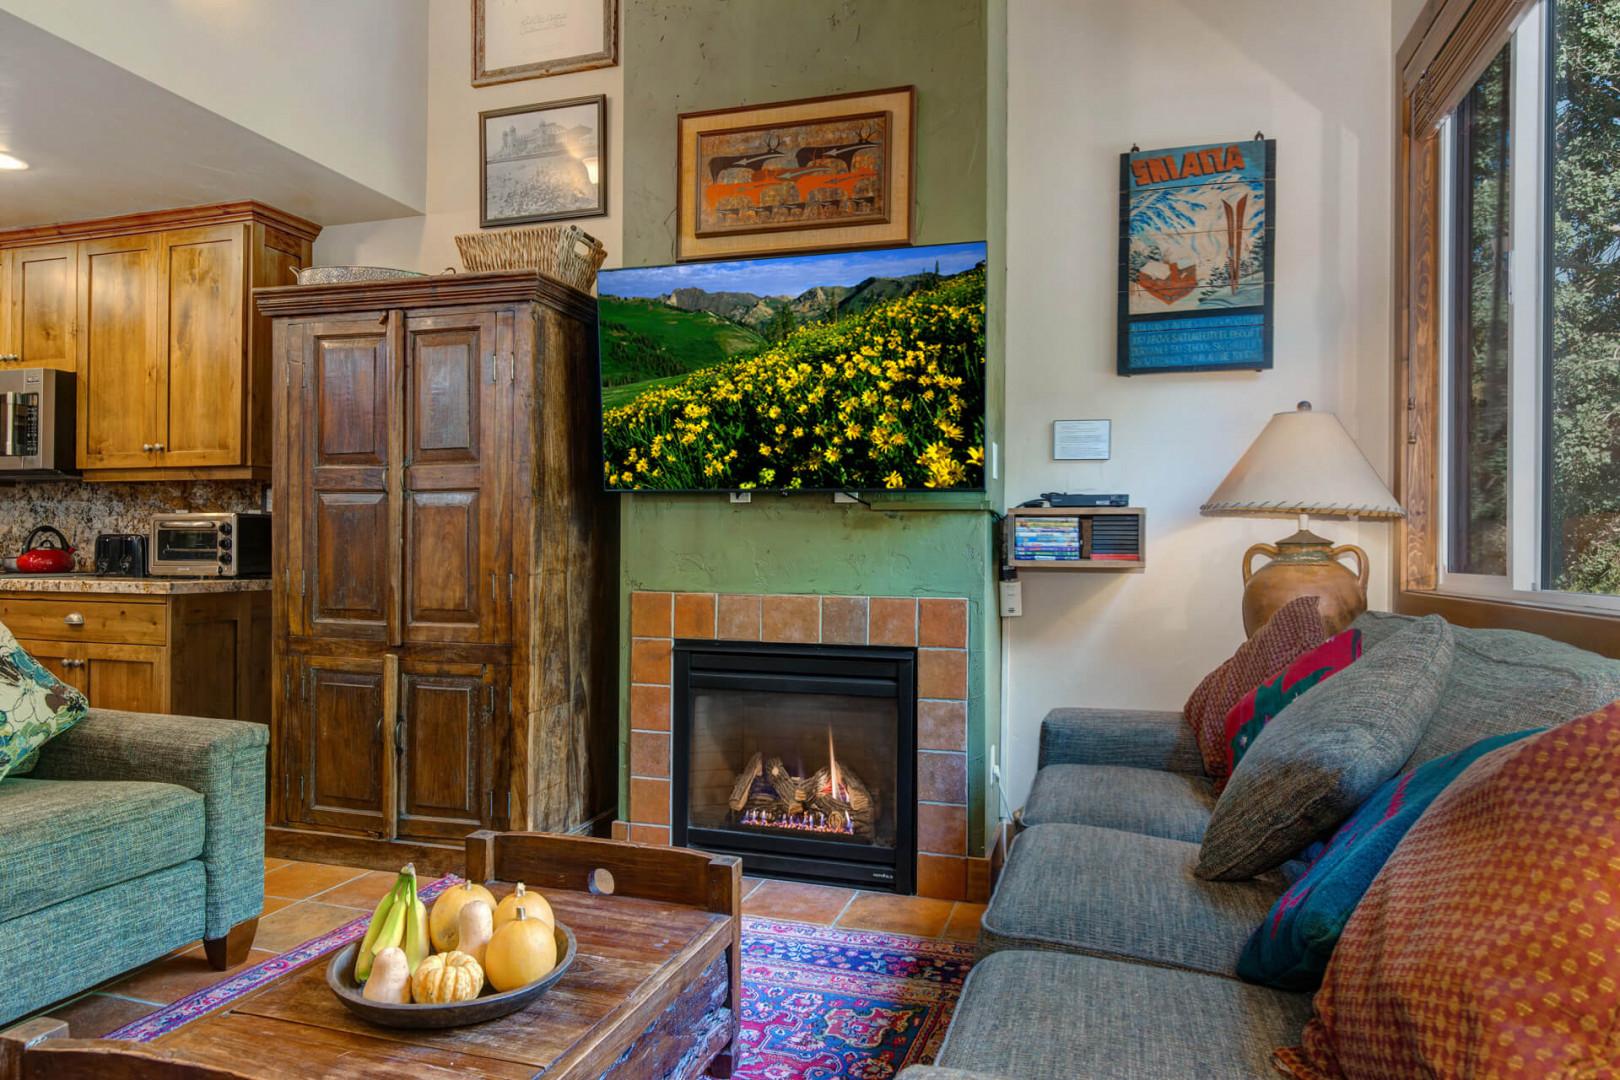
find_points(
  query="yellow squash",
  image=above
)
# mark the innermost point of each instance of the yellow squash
(532, 902)
(442, 923)
(522, 951)
(474, 929)
(446, 977)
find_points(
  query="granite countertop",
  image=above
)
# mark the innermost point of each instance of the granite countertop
(128, 586)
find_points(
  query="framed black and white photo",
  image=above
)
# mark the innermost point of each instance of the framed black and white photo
(530, 39)
(543, 162)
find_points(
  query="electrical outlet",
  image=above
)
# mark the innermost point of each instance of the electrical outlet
(1012, 599)
(742, 496)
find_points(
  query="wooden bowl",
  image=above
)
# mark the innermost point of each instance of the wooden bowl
(486, 1006)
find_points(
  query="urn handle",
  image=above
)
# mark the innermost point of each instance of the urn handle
(1361, 561)
(1248, 558)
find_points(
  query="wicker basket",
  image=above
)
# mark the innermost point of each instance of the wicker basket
(566, 253)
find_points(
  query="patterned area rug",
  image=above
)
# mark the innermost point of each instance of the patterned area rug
(818, 1002)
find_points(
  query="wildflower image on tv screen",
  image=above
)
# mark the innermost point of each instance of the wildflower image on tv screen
(854, 371)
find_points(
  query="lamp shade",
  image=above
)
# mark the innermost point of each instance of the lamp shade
(1304, 462)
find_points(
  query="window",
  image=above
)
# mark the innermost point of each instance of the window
(1529, 323)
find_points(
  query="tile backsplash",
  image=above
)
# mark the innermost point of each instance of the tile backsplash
(83, 510)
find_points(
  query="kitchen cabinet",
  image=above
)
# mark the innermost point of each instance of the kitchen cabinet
(39, 306)
(445, 592)
(201, 654)
(152, 312)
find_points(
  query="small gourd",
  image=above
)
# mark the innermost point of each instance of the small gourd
(446, 977)
(390, 979)
(522, 898)
(522, 951)
(474, 929)
(442, 923)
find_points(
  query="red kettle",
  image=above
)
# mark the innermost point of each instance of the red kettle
(47, 557)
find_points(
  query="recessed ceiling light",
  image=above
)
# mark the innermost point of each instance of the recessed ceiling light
(9, 162)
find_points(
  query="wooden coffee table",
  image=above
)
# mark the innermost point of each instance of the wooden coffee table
(653, 992)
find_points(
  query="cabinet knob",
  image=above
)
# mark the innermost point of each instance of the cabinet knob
(73, 663)
(73, 618)
(9, 356)
(147, 447)
(157, 446)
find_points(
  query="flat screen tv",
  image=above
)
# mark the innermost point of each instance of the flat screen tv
(855, 371)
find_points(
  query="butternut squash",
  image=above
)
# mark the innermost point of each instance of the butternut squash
(474, 928)
(390, 978)
(442, 923)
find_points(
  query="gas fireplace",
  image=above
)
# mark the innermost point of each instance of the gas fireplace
(798, 758)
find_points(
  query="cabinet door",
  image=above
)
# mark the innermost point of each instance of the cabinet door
(41, 305)
(457, 560)
(200, 397)
(343, 553)
(130, 678)
(337, 765)
(118, 321)
(447, 749)
(64, 659)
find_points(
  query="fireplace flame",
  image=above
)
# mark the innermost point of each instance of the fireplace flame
(808, 821)
(834, 786)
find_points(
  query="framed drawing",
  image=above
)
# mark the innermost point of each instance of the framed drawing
(543, 162)
(1196, 244)
(530, 39)
(818, 174)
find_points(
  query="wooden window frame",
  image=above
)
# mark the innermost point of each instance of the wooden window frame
(1449, 47)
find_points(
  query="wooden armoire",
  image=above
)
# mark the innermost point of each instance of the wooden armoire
(445, 582)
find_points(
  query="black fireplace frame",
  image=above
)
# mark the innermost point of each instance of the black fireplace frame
(857, 670)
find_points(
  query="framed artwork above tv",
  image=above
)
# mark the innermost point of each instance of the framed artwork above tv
(819, 174)
(851, 371)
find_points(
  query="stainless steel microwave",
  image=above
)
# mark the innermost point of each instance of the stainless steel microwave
(209, 545)
(36, 424)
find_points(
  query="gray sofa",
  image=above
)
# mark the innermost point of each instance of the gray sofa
(1103, 956)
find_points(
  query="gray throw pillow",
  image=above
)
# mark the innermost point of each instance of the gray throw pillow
(1322, 756)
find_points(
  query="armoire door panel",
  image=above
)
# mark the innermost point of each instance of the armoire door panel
(339, 744)
(202, 411)
(445, 783)
(350, 584)
(457, 542)
(351, 399)
(442, 581)
(118, 315)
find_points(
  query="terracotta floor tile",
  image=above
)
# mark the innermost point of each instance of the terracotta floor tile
(362, 892)
(271, 864)
(297, 923)
(797, 901)
(300, 880)
(964, 922)
(172, 978)
(275, 903)
(749, 884)
(94, 1015)
(915, 915)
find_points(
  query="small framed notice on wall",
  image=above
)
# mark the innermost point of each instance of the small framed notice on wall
(1081, 440)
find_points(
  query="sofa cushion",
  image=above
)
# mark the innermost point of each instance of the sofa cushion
(1291, 948)
(1149, 801)
(62, 838)
(1044, 1016)
(1078, 888)
(1278, 690)
(35, 706)
(1295, 628)
(1326, 753)
(1486, 945)
(1503, 681)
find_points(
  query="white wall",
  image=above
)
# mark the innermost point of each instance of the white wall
(1085, 82)
(427, 243)
(339, 81)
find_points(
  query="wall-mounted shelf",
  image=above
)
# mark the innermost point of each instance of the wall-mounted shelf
(1076, 538)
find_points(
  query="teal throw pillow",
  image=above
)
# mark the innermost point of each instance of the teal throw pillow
(35, 706)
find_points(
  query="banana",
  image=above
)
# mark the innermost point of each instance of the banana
(365, 954)
(392, 934)
(417, 943)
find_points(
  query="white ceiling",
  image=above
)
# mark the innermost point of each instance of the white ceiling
(101, 141)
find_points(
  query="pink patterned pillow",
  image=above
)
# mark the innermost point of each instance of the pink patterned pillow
(1296, 628)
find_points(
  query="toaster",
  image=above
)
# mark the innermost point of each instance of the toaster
(121, 554)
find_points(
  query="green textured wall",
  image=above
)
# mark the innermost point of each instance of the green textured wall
(683, 55)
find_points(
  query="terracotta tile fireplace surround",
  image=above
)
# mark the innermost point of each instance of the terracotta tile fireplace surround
(936, 627)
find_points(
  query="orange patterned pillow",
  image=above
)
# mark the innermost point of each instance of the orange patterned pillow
(1294, 629)
(1489, 945)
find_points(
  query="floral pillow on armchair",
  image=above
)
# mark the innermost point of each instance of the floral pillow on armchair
(35, 706)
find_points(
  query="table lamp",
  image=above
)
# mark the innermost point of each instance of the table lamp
(1304, 463)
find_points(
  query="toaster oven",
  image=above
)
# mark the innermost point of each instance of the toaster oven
(209, 545)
